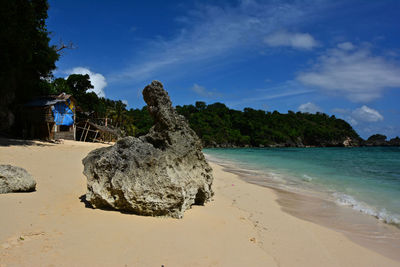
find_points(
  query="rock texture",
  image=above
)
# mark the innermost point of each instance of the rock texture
(160, 174)
(394, 141)
(381, 140)
(15, 179)
(376, 140)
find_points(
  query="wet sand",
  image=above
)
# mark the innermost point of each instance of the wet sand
(364, 229)
(243, 226)
(316, 207)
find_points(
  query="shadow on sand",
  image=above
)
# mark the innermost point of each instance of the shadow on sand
(89, 206)
(21, 142)
(84, 201)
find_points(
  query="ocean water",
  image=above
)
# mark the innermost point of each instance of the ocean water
(366, 179)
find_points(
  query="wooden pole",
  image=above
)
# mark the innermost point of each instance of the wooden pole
(48, 130)
(83, 131)
(95, 135)
(87, 131)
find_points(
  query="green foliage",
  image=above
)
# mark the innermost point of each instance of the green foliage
(216, 124)
(26, 57)
(59, 86)
(78, 84)
(377, 137)
(141, 119)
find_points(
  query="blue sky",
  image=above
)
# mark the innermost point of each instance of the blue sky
(337, 57)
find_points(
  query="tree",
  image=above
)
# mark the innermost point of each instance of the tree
(216, 124)
(200, 105)
(27, 59)
(59, 86)
(79, 84)
(377, 137)
(119, 113)
(142, 120)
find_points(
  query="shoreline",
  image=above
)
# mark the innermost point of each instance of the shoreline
(362, 228)
(243, 225)
(279, 198)
(324, 183)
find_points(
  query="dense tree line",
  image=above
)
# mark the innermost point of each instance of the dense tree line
(217, 125)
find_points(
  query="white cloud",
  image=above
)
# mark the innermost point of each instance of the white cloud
(294, 40)
(340, 110)
(286, 90)
(211, 32)
(125, 102)
(346, 46)
(309, 108)
(351, 120)
(361, 115)
(98, 80)
(366, 114)
(202, 91)
(352, 73)
(345, 114)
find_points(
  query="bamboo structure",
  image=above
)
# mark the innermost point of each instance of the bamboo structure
(91, 132)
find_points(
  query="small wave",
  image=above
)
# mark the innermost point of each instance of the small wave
(382, 214)
(307, 178)
(303, 184)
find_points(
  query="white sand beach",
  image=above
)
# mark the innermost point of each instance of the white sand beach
(242, 226)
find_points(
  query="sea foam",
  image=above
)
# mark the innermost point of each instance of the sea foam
(381, 214)
(366, 179)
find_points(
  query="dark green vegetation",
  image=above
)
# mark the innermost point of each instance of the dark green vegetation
(381, 140)
(219, 126)
(216, 124)
(27, 59)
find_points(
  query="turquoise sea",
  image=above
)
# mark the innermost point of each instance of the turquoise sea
(364, 178)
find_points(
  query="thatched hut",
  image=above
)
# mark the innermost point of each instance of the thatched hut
(50, 117)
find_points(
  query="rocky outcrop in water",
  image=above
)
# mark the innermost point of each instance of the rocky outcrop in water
(15, 179)
(394, 141)
(381, 140)
(376, 140)
(160, 174)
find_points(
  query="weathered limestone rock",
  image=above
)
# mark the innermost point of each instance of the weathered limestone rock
(160, 174)
(350, 142)
(15, 179)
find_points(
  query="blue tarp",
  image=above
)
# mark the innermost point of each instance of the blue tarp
(63, 115)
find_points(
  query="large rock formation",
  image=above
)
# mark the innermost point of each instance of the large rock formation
(394, 141)
(376, 140)
(160, 174)
(15, 179)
